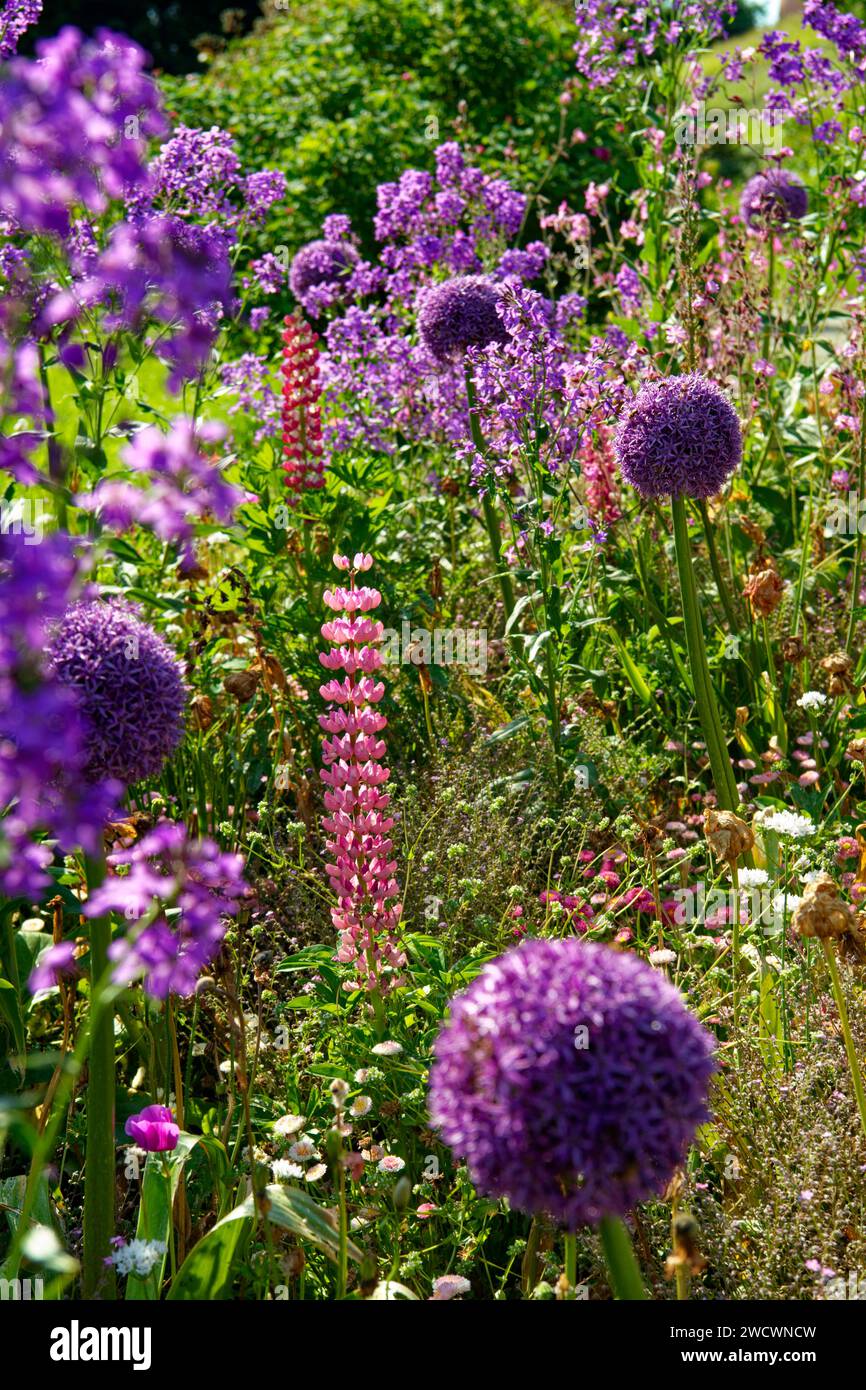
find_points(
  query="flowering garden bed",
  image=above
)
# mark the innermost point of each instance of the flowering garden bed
(432, 720)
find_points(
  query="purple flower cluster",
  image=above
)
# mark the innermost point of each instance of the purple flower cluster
(16, 17)
(128, 687)
(198, 173)
(44, 790)
(177, 894)
(319, 271)
(616, 39)
(450, 226)
(534, 391)
(772, 198)
(681, 437)
(249, 379)
(181, 486)
(571, 1077)
(74, 126)
(459, 314)
(163, 269)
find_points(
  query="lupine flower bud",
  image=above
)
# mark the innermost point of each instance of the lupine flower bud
(303, 451)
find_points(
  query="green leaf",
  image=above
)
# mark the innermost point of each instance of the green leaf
(294, 1210)
(158, 1191)
(207, 1271)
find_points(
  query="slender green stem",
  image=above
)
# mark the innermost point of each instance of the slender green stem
(625, 1275)
(97, 1278)
(853, 1061)
(771, 276)
(715, 565)
(491, 520)
(711, 724)
(571, 1260)
(858, 543)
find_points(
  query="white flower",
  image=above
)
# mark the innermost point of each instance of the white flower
(662, 957)
(317, 1171)
(812, 699)
(786, 902)
(753, 878)
(289, 1124)
(339, 1090)
(388, 1049)
(138, 1256)
(361, 1075)
(788, 823)
(450, 1286)
(391, 1164)
(304, 1150)
(283, 1170)
(361, 1105)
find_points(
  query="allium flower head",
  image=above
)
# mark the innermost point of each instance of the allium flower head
(320, 264)
(460, 314)
(681, 437)
(773, 197)
(571, 1077)
(129, 686)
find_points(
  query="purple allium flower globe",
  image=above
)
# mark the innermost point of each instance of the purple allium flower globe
(129, 685)
(460, 314)
(773, 197)
(321, 263)
(681, 437)
(578, 1124)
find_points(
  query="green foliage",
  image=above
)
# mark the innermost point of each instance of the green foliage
(342, 99)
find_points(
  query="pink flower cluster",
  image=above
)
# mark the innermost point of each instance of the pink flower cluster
(360, 867)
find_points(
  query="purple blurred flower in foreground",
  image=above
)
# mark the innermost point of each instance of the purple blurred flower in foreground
(43, 736)
(458, 315)
(74, 127)
(153, 1129)
(16, 17)
(167, 874)
(681, 437)
(181, 485)
(163, 268)
(128, 685)
(772, 198)
(571, 1077)
(52, 963)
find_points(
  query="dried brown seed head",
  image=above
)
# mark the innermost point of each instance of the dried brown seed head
(728, 836)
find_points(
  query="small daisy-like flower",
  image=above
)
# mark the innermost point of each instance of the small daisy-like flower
(391, 1164)
(361, 1075)
(361, 1105)
(426, 1210)
(318, 1170)
(786, 823)
(303, 1150)
(284, 1171)
(339, 1090)
(450, 1286)
(289, 1124)
(812, 699)
(388, 1049)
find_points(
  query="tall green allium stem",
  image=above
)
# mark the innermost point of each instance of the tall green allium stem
(853, 1060)
(708, 713)
(97, 1278)
(491, 520)
(625, 1275)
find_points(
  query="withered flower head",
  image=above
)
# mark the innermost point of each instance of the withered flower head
(201, 708)
(822, 913)
(794, 650)
(728, 836)
(856, 750)
(839, 666)
(764, 590)
(242, 684)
